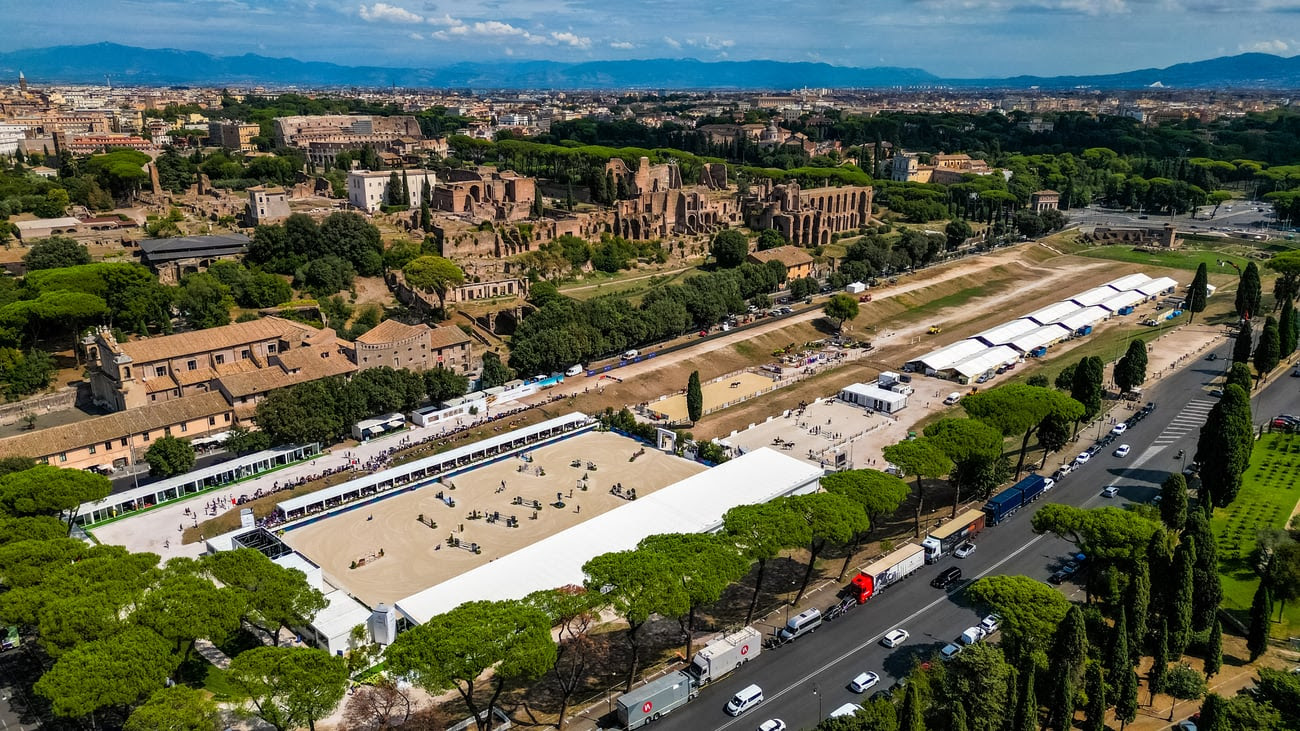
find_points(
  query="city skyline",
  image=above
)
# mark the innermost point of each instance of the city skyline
(950, 38)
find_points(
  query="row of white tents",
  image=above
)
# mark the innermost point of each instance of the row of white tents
(1010, 342)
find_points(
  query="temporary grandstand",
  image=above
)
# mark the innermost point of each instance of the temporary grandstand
(190, 483)
(430, 468)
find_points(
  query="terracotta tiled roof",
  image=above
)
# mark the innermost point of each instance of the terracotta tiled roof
(215, 338)
(790, 256)
(56, 439)
(446, 336)
(390, 331)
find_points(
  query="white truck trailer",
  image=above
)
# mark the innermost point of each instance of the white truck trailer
(725, 654)
(652, 700)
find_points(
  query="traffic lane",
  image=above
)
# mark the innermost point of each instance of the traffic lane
(1009, 549)
(932, 616)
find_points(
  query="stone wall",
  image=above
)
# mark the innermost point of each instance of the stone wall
(12, 413)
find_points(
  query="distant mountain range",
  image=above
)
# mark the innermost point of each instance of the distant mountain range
(129, 65)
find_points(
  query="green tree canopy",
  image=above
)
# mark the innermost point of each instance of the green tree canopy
(694, 397)
(1249, 291)
(1287, 266)
(120, 670)
(1198, 292)
(453, 650)
(434, 274)
(729, 248)
(763, 530)
(1131, 370)
(919, 458)
(1102, 533)
(637, 584)
(1030, 610)
(56, 252)
(169, 456)
(840, 308)
(1224, 446)
(1017, 410)
(178, 708)
(1269, 350)
(289, 687)
(974, 447)
(275, 597)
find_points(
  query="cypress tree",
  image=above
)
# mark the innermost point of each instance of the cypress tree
(1119, 656)
(957, 722)
(1206, 589)
(1214, 649)
(1138, 604)
(1159, 662)
(1249, 291)
(1197, 293)
(694, 398)
(1062, 711)
(426, 216)
(1269, 351)
(1286, 328)
(569, 201)
(1026, 718)
(1244, 343)
(1295, 329)
(911, 716)
(1131, 370)
(1096, 689)
(1126, 695)
(394, 192)
(1173, 502)
(406, 190)
(539, 208)
(1261, 612)
(1214, 715)
(1180, 608)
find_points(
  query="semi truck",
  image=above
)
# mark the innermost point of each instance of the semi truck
(893, 567)
(1007, 502)
(944, 539)
(654, 699)
(725, 654)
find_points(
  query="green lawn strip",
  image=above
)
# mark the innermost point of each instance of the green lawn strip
(1188, 259)
(1269, 493)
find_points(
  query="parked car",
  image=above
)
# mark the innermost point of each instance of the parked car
(1059, 577)
(1119, 429)
(772, 724)
(965, 549)
(1083, 458)
(1122, 450)
(863, 682)
(991, 623)
(894, 638)
(1111, 491)
(949, 651)
(630, 354)
(848, 709)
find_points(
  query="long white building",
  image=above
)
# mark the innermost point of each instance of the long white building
(368, 189)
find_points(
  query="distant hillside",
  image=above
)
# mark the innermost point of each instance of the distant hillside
(131, 65)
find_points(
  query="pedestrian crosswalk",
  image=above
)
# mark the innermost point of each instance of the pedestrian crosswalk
(1190, 419)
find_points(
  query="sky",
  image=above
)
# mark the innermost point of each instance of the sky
(951, 38)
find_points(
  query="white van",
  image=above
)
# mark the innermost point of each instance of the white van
(802, 623)
(953, 398)
(574, 370)
(747, 698)
(848, 709)
(630, 354)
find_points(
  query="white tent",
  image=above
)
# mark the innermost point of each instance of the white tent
(1054, 312)
(988, 360)
(1130, 281)
(945, 357)
(1087, 317)
(1007, 331)
(1128, 298)
(1155, 287)
(1041, 337)
(1094, 296)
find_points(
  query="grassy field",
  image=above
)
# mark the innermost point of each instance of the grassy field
(1188, 259)
(633, 284)
(1269, 493)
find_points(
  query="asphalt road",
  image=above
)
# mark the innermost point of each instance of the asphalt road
(1244, 216)
(806, 680)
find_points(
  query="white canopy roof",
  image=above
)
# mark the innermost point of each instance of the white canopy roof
(1054, 312)
(1129, 298)
(992, 358)
(693, 505)
(943, 358)
(1094, 296)
(1086, 316)
(875, 392)
(1156, 286)
(1007, 331)
(1038, 337)
(1131, 281)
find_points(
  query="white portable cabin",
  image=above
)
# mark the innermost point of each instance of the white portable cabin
(873, 397)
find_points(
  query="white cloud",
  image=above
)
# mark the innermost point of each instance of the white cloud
(622, 45)
(671, 42)
(566, 38)
(443, 19)
(713, 44)
(1083, 7)
(415, 36)
(383, 12)
(1273, 46)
